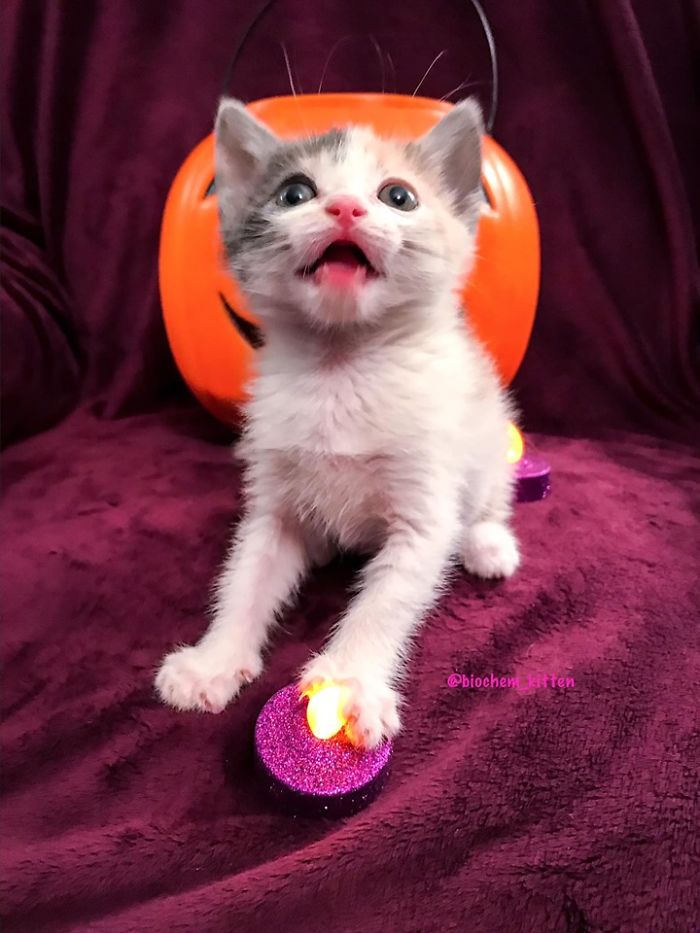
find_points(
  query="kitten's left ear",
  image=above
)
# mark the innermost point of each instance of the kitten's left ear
(453, 148)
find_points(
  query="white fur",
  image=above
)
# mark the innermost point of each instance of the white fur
(377, 424)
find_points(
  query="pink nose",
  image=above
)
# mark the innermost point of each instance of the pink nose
(345, 208)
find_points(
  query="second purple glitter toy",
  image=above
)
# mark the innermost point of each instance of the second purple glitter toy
(533, 477)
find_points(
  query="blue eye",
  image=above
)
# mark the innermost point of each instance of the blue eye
(398, 196)
(295, 192)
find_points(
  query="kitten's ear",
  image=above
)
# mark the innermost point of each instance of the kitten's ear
(453, 148)
(243, 148)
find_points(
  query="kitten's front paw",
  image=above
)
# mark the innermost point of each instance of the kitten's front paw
(372, 706)
(202, 679)
(490, 550)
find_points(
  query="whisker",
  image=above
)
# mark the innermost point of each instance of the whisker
(380, 56)
(336, 46)
(289, 69)
(307, 133)
(334, 49)
(460, 87)
(430, 68)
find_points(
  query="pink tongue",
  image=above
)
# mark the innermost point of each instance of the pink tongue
(342, 255)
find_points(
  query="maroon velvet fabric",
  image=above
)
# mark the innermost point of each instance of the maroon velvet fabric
(558, 810)
(555, 809)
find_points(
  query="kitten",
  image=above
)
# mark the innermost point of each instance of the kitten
(377, 421)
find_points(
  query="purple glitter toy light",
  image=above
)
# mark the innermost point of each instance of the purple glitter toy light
(323, 777)
(533, 476)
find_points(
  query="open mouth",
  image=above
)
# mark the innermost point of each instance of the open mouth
(340, 263)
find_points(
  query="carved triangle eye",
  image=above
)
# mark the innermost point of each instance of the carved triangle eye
(249, 332)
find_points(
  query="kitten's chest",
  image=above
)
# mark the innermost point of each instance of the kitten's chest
(352, 413)
(348, 496)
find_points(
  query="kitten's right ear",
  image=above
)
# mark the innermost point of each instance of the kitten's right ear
(243, 148)
(453, 147)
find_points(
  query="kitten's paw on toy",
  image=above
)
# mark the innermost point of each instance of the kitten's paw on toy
(372, 706)
(373, 714)
(490, 550)
(196, 678)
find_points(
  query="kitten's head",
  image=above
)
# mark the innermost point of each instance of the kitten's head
(340, 229)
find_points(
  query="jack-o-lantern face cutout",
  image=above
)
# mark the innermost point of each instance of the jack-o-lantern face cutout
(212, 333)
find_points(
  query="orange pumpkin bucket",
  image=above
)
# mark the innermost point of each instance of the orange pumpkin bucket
(212, 333)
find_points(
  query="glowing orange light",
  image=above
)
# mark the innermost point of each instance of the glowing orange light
(324, 712)
(516, 444)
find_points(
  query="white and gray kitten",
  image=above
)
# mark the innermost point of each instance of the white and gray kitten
(377, 422)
